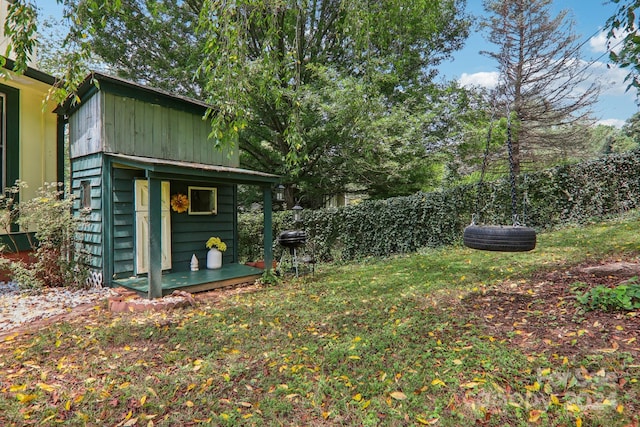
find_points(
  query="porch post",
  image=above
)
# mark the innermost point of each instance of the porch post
(268, 231)
(60, 152)
(155, 237)
(108, 260)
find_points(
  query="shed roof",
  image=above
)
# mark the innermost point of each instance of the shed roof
(173, 169)
(97, 81)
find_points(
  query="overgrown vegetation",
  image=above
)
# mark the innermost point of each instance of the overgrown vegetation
(374, 343)
(569, 194)
(58, 257)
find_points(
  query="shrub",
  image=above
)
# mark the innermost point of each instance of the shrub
(622, 297)
(568, 194)
(52, 229)
(251, 233)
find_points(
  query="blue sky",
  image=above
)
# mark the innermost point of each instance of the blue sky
(615, 105)
(469, 67)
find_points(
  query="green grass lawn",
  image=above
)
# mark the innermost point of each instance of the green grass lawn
(373, 343)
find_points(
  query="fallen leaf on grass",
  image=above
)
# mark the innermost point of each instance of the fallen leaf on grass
(46, 387)
(533, 387)
(572, 407)
(398, 395)
(470, 384)
(25, 398)
(534, 415)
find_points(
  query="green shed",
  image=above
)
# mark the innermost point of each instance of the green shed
(133, 150)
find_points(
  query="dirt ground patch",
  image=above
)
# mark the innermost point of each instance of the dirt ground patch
(541, 315)
(98, 309)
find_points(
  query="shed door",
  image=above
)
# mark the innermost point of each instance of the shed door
(142, 226)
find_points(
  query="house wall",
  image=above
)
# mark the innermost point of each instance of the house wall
(189, 233)
(4, 41)
(115, 123)
(34, 151)
(38, 136)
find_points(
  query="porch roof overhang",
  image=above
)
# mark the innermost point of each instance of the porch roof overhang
(180, 170)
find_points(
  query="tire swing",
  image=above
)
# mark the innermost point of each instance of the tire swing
(501, 238)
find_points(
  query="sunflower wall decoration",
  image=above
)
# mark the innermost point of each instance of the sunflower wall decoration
(179, 202)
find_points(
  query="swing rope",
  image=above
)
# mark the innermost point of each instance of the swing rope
(512, 170)
(483, 170)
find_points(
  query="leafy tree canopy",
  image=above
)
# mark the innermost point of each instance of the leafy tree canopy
(624, 32)
(326, 93)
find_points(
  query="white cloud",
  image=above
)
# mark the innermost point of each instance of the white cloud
(611, 79)
(616, 123)
(600, 43)
(487, 79)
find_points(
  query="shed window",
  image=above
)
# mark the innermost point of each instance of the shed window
(85, 194)
(203, 200)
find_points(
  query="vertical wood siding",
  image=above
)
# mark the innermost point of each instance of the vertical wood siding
(89, 168)
(140, 128)
(85, 128)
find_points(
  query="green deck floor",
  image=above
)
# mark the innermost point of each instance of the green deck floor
(195, 281)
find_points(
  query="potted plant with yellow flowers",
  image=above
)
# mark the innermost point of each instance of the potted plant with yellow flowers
(214, 256)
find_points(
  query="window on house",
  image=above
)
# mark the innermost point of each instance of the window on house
(3, 139)
(9, 135)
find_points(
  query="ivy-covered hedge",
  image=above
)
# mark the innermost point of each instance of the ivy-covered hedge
(566, 194)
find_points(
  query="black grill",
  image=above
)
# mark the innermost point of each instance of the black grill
(292, 238)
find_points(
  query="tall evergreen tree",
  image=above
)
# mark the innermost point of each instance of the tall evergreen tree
(544, 84)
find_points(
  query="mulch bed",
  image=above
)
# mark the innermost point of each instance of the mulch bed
(541, 315)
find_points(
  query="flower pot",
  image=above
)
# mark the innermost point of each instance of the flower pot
(214, 259)
(261, 264)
